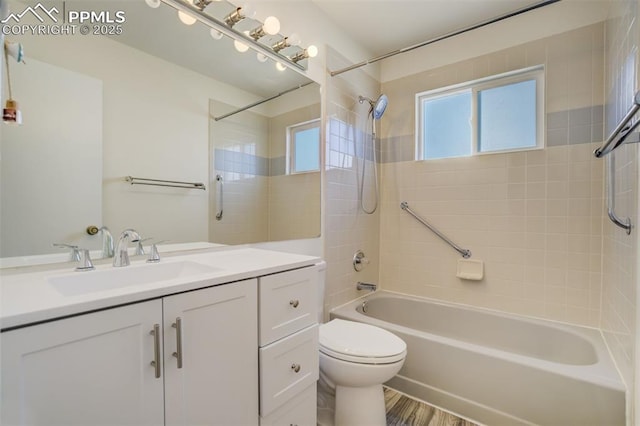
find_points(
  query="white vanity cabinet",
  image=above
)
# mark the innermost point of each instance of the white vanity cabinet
(214, 332)
(108, 367)
(84, 370)
(289, 347)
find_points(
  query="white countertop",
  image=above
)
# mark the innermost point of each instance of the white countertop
(29, 297)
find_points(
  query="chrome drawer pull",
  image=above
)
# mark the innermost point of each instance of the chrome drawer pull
(178, 353)
(156, 350)
(295, 368)
(294, 303)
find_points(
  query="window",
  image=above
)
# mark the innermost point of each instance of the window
(303, 147)
(495, 114)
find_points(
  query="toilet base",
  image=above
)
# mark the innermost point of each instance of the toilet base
(362, 406)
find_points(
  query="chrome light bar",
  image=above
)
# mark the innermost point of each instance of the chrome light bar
(218, 25)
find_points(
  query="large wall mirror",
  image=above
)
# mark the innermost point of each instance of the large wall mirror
(147, 103)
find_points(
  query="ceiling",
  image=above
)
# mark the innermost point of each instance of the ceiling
(158, 32)
(383, 26)
(378, 26)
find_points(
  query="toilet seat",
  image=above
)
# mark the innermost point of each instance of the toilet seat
(360, 343)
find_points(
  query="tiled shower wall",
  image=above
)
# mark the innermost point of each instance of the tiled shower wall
(261, 202)
(620, 251)
(347, 228)
(534, 218)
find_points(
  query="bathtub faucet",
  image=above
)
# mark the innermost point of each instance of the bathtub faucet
(366, 286)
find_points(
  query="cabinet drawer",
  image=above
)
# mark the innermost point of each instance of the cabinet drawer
(287, 367)
(288, 303)
(299, 411)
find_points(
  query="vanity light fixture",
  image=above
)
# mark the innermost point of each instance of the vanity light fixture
(282, 44)
(243, 40)
(271, 26)
(215, 34)
(309, 52)
(240, 46)
(154, 4)
(202, 4)
(10, 113)
(239, 14)
(186, 18)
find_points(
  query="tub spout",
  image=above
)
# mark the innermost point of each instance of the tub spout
(366, 286)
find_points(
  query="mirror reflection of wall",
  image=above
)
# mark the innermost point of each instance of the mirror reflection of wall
(262, 199)
(51, 170)
(153, 122)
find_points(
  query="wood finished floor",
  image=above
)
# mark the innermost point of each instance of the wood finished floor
(404, 411)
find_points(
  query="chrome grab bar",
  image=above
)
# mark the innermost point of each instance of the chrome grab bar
(623, 129)
(219, 197)
(464, 252)
(611, 199)
(160, 182)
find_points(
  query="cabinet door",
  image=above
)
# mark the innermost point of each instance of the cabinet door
(217, 383)
(91, 369)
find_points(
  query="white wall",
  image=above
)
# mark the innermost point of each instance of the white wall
(51, 184)
(544, 22)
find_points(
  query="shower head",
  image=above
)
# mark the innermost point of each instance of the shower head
(377, 107)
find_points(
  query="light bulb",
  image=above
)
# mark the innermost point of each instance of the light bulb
(248, 11)
(240, 46)
(261, 57)
(293, 39)
(215, 34)
(271, 25)
(312, 51)
(280, 67)
(153, 3)
(186, 18)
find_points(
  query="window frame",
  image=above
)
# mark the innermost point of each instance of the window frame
(290, 145)
(536, 73)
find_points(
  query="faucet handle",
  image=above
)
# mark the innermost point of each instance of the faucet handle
(154, 256)
(140, 247)
(359, 260)
(85, 263)
(74, 255)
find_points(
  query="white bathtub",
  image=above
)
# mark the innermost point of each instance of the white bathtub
(495, 368)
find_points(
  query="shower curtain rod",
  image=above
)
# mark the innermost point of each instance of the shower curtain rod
(446, 36)
(244, 108)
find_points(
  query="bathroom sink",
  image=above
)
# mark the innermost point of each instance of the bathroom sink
(112, 278)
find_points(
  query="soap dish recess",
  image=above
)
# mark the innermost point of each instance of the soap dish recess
(470, 269)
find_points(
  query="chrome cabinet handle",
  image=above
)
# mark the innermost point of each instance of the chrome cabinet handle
(294, 303)
(295, 368)
(156, 350)
(178, 353)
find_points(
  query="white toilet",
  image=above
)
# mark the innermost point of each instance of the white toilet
(355, 359)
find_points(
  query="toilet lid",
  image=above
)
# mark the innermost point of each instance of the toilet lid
(358, 342)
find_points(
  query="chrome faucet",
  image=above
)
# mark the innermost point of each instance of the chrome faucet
(121, 257)
(107, 242)
(74, 252)
(366, 286)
